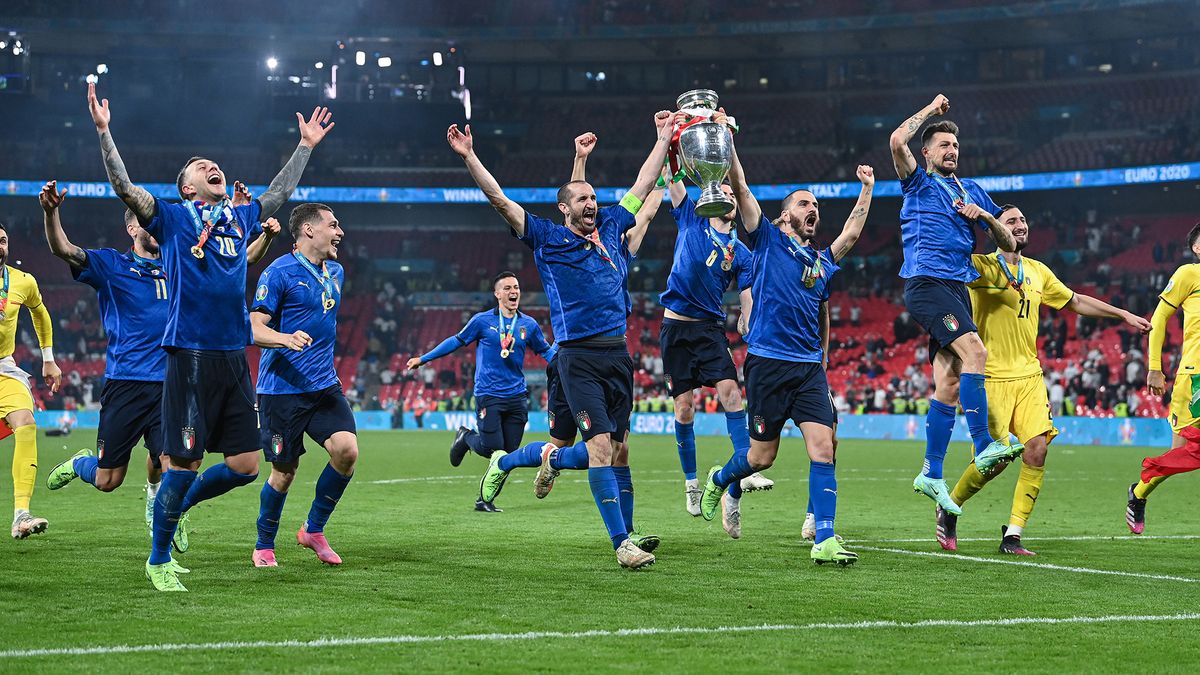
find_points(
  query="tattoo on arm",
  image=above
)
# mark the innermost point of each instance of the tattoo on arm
(285, 181)
(76, 257)
(914, 123)
(137, 199)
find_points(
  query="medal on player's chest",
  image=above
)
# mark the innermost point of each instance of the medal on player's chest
(960, 197)
(204, 226)
(724, 249)
(506, 336)
(4, 296)
(1017, 281)
(322, 276)
(813, 270)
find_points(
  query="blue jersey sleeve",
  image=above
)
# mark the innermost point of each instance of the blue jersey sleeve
(685, 214)
(163, 212)
(986, 203)
(745, 268)
(760, 237)
(250, 216)
(537, 231)
(446, 347)
(268, 296)
(99, 264)
(471, 332)
(619, 216)
(914, 181)
(540, 346)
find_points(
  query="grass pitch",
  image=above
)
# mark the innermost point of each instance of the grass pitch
(430, 585)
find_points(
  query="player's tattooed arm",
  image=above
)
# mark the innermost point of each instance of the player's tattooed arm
(748, 206)
(51, 199)
(463, 144)
(312, 132)
(584, 144)
(902, 156)
(998, 231)
(853, 228)
(137, 199)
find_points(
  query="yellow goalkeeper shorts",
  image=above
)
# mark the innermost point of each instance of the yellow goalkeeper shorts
(1020, 407)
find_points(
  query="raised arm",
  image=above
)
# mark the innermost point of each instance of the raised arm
(60, 246)
(136, 198)
(463, 144)
(747, 205)
(902, 156)
(641, 221)
(647, 176)
(312, 132)
(258, 248)
(858, 217)
(1158, 334)
(584, 144)
(269, 338)
(1097, 308)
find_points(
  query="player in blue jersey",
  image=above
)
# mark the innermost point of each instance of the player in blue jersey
(585, 278)
(294, 319)
(208, 399)
(784, 376)
(695, 351)
(501, 337)
(937, 227)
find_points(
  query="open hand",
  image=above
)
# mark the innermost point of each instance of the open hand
(313, 131)
(50, 197)
(241, 194)
(53, 376)
(99, 109)
(461, 142)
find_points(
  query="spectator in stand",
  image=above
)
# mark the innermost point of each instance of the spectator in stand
(904, 328)
(855, 315)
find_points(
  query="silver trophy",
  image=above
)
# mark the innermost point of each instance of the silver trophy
(706, 152)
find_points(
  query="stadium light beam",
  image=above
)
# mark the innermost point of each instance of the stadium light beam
(360, 58)
(272, 63)
(437, 58)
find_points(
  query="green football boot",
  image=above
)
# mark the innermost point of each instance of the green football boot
(164, 577)
(64, 472)
(994, 454)
(935, 489)
(711, 499)
(832, 551)
(493, 481)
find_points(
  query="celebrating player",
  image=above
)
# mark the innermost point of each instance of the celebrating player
(501, 397)
(937, 224)
(16, 396)
(1181, 292)
(695, 350)
(784, 376)
(1006, 299)
(208, 400)
(585, 278)
(294, 319)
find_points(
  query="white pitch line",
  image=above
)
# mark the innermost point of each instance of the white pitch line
(599, 633)
(1022, 563)
(1082, 537)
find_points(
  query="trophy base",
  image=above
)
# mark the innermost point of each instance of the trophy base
(713, 204)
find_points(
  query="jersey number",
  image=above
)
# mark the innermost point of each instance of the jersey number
(1023, 308)
(226, 247)
(160, 289)
(712, 258)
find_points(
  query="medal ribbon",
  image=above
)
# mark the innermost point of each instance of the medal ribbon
(204, 229)
(1017, 282)
(321, 276)
(594, 237)
(506, 337)
(4, 293)
(148, 264)
(814, 263)
(726, 249)
(957, 197)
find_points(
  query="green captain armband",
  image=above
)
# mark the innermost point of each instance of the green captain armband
(631, 203)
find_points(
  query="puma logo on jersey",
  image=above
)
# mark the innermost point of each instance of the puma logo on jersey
(971, 410)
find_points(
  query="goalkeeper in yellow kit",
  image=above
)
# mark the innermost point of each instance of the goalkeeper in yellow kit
(19, 289)
(1006, 302)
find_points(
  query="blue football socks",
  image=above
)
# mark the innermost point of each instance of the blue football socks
(685, 442)
(939, 425)
(270, 510)
(167, 509)
(822, 493)
(214, 482)
(330, 487)
(608, 500)
(973, 396)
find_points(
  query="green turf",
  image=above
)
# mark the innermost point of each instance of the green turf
(420, 562)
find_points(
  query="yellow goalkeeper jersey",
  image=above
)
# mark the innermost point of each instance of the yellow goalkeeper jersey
(1183, 292)
(23, 291)
(1008, 321)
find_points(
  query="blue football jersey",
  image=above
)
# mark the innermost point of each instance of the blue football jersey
(585, 285)
(206, 298)
(938, 242)
(132, 295)
(785, 322)
(295, 299)
(697, 283)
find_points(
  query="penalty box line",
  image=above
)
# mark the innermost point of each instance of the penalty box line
(329, 642)
(1024, 563)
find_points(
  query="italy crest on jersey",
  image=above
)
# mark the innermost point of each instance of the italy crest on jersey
(584, 422)
(760, 425)
(951, 322)
(522, 332)
(189, 437)
(277, 444)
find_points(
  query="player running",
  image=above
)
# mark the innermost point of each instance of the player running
(208, 399)
(294, 319)
(1181, 292)
(16, 397)
(501, 396)
(695, 351)
(784, 376)
(937, 226)
(585, 277)
(1006, 299)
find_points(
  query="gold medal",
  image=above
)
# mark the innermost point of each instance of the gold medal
(328, 304)
(727, 265)
(811, 281)
(197, 253)
(504, 353)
